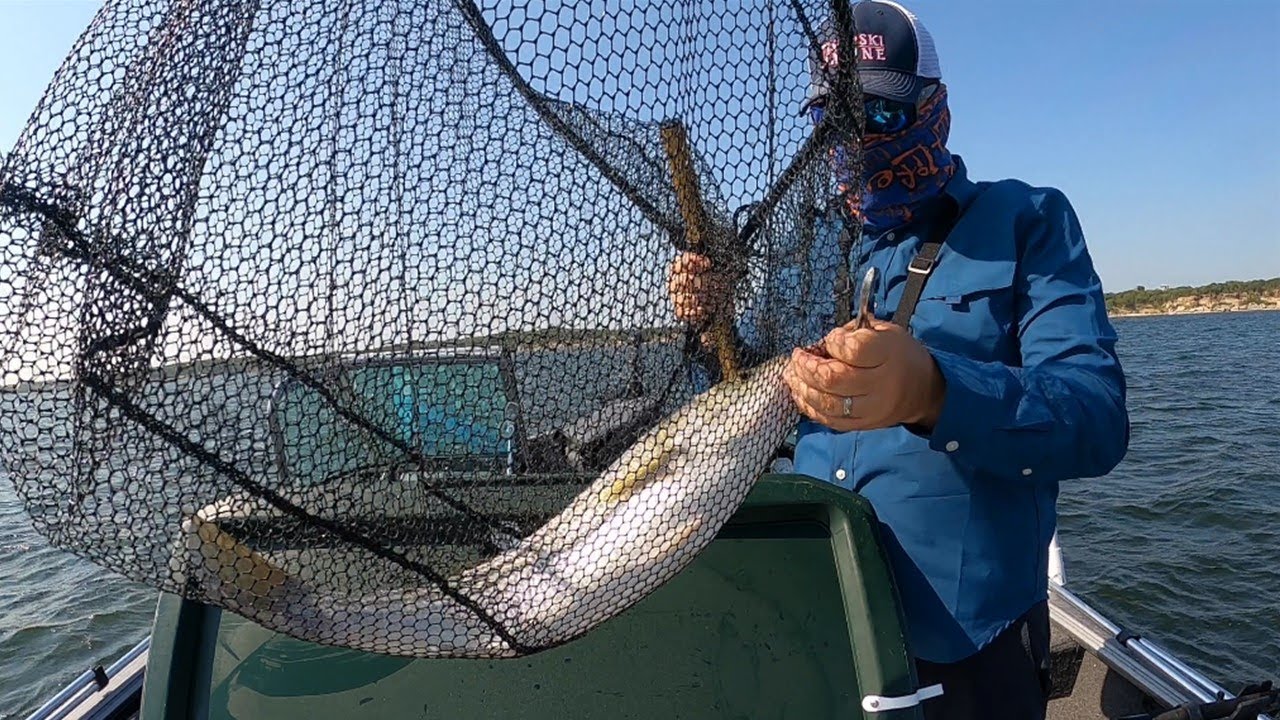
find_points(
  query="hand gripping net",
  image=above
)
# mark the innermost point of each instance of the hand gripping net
(352, 317)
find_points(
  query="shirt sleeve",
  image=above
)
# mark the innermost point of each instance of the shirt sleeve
(1062, 414)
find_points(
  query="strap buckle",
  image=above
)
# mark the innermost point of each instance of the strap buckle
(880, 703)
(921, 265)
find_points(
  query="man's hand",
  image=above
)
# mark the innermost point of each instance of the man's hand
(696, 291)
(890, 378)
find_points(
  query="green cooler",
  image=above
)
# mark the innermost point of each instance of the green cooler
(790, 613)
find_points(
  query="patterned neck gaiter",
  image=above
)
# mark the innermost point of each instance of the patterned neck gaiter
(905, 170)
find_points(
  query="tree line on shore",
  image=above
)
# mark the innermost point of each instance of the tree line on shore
(1248, 291)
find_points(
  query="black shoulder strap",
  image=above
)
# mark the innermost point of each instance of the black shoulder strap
(922, 264)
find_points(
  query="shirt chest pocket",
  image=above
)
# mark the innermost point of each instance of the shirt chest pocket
(969, 307)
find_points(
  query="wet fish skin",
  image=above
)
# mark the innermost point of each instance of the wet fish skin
(684, 479)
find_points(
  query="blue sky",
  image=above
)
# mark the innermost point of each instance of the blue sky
(1158, 118)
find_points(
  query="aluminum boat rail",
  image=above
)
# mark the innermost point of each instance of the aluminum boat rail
(118, 684)
(1143, 662)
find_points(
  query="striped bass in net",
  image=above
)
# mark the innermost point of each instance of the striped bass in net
(635, 527)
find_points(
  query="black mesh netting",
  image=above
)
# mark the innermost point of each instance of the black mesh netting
(352, 317)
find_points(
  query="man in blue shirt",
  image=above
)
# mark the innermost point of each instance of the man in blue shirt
(958, 421)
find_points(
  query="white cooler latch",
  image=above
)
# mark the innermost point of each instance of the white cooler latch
(879, 703)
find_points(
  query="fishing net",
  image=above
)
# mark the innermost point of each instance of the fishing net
(353, 317)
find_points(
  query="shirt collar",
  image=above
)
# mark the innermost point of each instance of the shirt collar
(960, 187)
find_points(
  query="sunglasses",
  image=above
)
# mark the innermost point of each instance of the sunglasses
(884, 116)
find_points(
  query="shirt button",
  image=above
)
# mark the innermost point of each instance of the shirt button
(840, 474)
(953, 446)
(1026, 471)
(890, 237)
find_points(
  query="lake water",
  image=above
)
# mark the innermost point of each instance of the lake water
(1181, 542)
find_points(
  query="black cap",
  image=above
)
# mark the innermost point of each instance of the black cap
(896, 56)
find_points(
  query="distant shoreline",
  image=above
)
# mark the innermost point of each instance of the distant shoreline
(1219, 311)
(1229, 296)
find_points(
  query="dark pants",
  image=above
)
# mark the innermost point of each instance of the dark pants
(1009, 678)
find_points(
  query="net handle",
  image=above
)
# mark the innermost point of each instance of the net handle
(699, 231)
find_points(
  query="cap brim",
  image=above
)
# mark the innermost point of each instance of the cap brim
(892, 84)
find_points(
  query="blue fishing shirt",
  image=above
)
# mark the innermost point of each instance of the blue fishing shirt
(1014, 316)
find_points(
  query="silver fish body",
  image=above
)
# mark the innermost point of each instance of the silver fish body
(637, 525)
